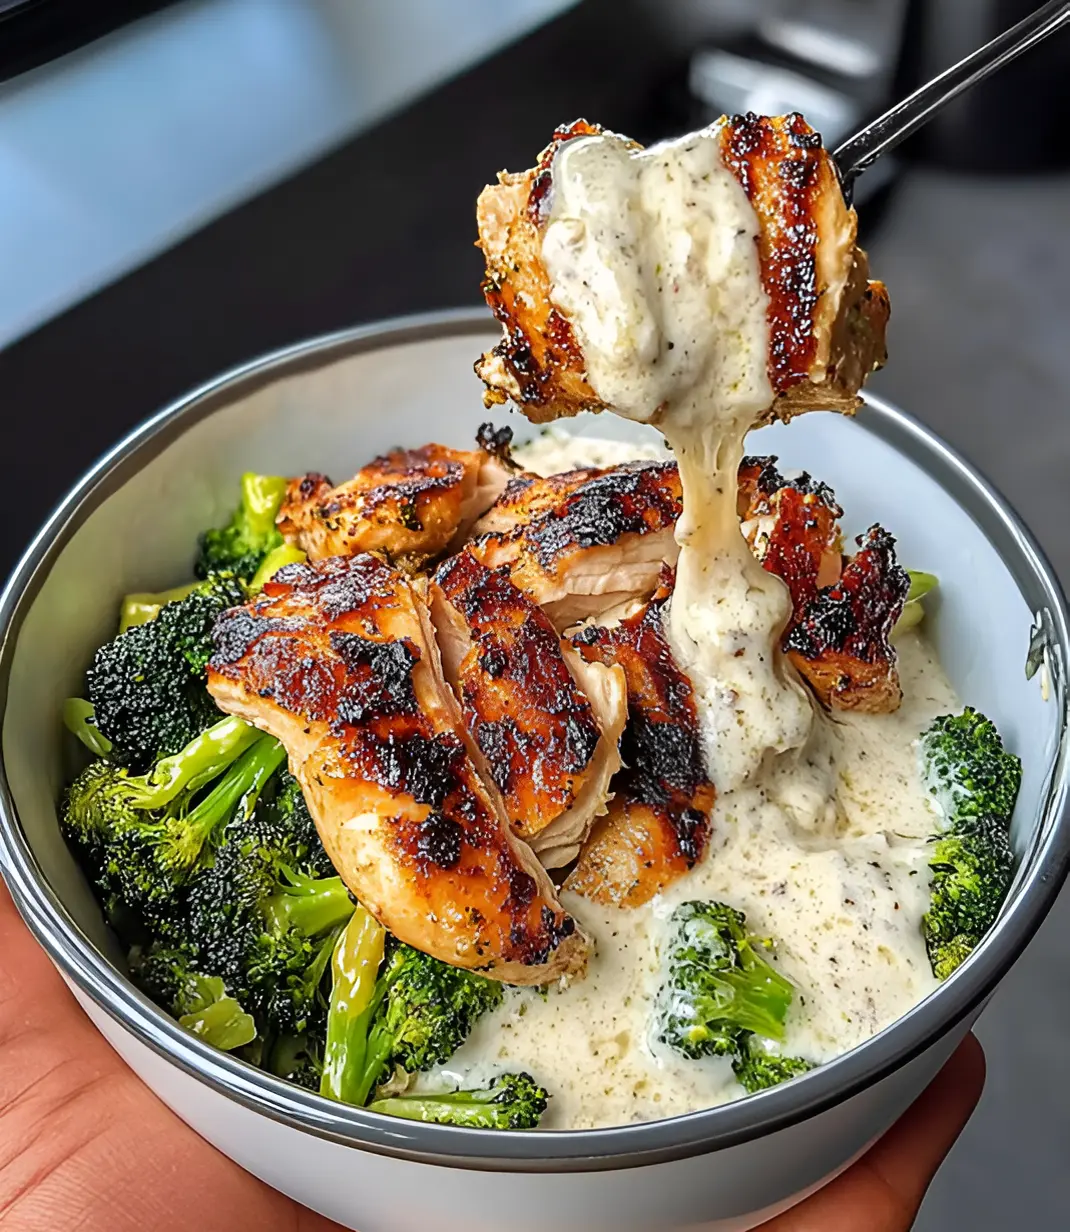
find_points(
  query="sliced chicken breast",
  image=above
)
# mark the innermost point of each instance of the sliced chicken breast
(410, 505)
(583, 542)
(840, 642)
(338, 661)
(546, 723)
(658, 822)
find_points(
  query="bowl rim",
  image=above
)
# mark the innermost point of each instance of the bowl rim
(1037, 883)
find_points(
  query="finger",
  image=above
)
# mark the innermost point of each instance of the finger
(883, 1191)
(83, 1144)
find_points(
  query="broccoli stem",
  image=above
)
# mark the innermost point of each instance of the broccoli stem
(261, 496)
(913, 612)
(194, 766)
(311, 905)
(512, 1101)
(278, 558)
(354, 968)
(139, 609)
(79, 718)
(223, 1024)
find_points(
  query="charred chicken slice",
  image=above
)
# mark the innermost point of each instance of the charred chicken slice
(410, 504)
(338, 661)
(840, 641)
(658, 822)
(590, 539)
(546, 722)
(826, 318)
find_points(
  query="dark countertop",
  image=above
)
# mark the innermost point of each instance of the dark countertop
(978, 271)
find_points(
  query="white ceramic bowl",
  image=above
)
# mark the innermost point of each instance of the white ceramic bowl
(330, 405)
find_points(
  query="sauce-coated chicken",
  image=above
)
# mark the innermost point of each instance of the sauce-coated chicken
(338, 661)
(826, 318)
(411, 504)
(658, 822)
(546, 722)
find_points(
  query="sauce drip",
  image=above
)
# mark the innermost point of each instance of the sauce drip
(652, 257)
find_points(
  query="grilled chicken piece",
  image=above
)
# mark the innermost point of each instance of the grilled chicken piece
(411, 504)
(826, 318)
(658, 822)
(338, 661)
(792, 527)
(546, 722)
(583, 542)
(840, 641)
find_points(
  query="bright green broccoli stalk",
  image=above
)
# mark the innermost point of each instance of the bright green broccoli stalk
(973, 782)
(199, 1002)
(139, 609)
(141, 838)
(913, 612)
(717, 984)
(415, 1014)
(758, 1067)
(511, 1101)
(250, 535)
(147, 685)
(278, 558)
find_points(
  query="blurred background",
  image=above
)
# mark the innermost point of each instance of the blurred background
(186, 185)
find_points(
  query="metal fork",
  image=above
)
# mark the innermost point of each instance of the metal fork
(906, 117)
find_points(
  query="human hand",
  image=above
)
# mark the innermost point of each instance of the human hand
(883, 1191)
(85, 1146)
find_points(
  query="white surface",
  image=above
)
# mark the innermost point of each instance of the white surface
(142, 538)
(113, 153)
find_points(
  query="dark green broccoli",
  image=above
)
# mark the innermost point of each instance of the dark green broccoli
(974, 783)
(972, 865)
(718, 984)
(511, 1101)
(757, 1067)
(147, 685)
(142, 837)
(408, 1012)
(200, 1003)
(139, 609)
(250, 535)
(296, 1058)
(267, 911)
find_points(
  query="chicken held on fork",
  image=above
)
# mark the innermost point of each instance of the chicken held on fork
(826, 320)
(338, 661)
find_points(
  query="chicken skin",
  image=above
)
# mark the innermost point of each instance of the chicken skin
(338, 661)
(658, 822)
(546, 722)
(410, 505)
(826, 318)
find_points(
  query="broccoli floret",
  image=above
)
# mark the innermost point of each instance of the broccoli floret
(966, 768)
(147, 685)
(408, 1011)
(757, 1068)
(974, 783)
(250, 535)
(429, 1011)
(972, 866)
(296, 1058)
(717, 984)
(262, 917)
(200, 1003)
(141, 837)
(511, 1101)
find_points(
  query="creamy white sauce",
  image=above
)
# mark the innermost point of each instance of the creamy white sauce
(651, 256)
(827, 856)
